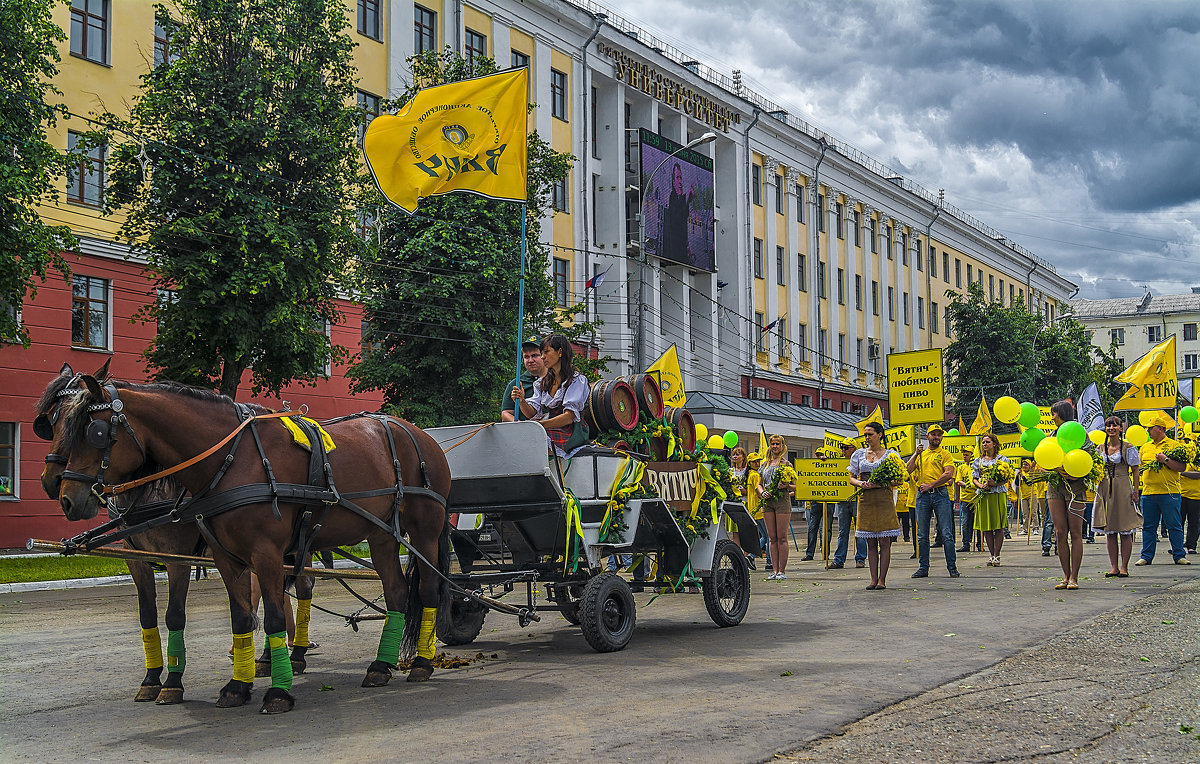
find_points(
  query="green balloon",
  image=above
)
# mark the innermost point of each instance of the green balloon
(1031, 438)
(953, 432)
(1030, 415)
(1071, 435)
(1189, 414)
(730, 438)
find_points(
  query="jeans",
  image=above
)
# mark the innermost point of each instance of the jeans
(1087, 521)
(935, 504)
(816, 512)
(1164, 507)
(966, 511)
(1047, 532)
(846, 513)
(762, 539)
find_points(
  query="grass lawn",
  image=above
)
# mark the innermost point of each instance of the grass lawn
(14, 570)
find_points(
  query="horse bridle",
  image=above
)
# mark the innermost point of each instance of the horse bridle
(99, 434)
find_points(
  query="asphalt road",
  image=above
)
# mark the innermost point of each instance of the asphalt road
(820, 670)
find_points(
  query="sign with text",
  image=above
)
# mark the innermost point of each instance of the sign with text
(823, 480)
(916, 393)
(954, 445)
(1010, 446)
(675, 481)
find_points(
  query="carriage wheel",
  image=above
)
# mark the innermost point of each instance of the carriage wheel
(466, 621)
(727, 590)
(606, 613)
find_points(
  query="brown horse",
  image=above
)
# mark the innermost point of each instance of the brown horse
(144, 502)
(383, 479)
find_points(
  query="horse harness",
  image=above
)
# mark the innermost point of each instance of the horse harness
(315, 497)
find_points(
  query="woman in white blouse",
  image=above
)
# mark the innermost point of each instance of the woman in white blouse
(558, 397)
(1115, 514)
(877, 519)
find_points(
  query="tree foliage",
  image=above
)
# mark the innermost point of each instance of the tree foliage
(441, 290)
(999, 350)
(29, 165)
(237, 175)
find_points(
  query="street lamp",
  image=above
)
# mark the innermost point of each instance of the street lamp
(641, 319)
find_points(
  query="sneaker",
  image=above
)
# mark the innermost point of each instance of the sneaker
(964, 549)
(1045, 553)
(1142, 561)
(780, 576)
(912, 556)
(1183, 561)
(806, 558)
(836, 566)
(750, 563)
(771, 576)
(955, 573)
(921, 573)
(860, 564)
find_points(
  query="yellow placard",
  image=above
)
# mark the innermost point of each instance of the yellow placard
(902, 439)
(1010, 445)
(953, 444)
(916, 390)
(823, 480)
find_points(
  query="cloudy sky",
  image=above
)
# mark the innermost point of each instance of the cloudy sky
(1072, 126)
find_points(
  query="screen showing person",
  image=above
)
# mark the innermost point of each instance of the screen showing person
(678, 208)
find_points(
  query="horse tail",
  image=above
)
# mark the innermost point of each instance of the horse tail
(415, 605)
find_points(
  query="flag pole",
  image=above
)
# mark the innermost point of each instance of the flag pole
(520, 312)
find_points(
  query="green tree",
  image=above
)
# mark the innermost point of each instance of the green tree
(441, 289)
(29, 164)
(237, 173)
(999, 350)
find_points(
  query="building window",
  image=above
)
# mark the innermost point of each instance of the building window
(368, 342)
(970, 273)
(958, 273)
(785, 397)
(920, 312)
(891, 304)
(802, 271)
(759, 342)
(992, 287)
(475, 46)
(89, 312)
(890, 243)
(920, 257)
(821, 213)
(933, 313)
(1000, 291)
(802, 341)
(561, 269)
(1117, 336)
(946, 267)
(858, 301)
(858, 356)
(1189, 364)
(874, 236)
(857, 228)
(519, 60)
(946, 320)
(369, 19)
(1154, 333)
(822, 345)
(558, 195)
(875, 297)
(932, 263)
(841, 220)
(758, 259)
(1012, 294)
(85, 178)
(821, 280)
(89, 30)
(781, 335)
(841, 287)
(8, 459)
(369, 106)
(904, 249)
(806, 400)
(756, 184)
(1189, 331)
(424, 29)
(841, 356)
(779, 194)
(801, 200)
(558, 95)
(162, 47)
(906, 315)
(780, 273)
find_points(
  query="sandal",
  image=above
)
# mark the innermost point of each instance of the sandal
(1111, 575)
(1063, 585)
(1072, 585)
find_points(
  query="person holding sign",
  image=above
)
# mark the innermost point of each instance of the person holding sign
(935, 469)
(877, 470)
(991, 473)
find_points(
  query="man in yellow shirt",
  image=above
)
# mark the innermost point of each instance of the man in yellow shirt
(964, 497)
(1189, 490)
(1160, 494)
(935, 470)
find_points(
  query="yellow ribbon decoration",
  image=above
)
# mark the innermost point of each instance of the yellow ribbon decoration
(574, 530)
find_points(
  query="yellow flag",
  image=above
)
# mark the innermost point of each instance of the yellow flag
(462, 136)
(669, 378)
(1152, 380)
(983, 420)
(762, 442)
(876, 416)
(962, 428)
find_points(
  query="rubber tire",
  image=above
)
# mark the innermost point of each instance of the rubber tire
(729, 581)
(606, 613)
(570, 612)
(466, 621)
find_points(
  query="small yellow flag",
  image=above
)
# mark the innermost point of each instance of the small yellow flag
(669, 378)
(876, 416)
(1152, 380)
(962, 428)
(983, 420)
(762, 442)
(461, 136)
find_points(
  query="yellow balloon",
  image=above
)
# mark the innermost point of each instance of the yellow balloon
(1048, 454)
(1137, 435)
(1007, 409)
(701, 433)
(1077, 463)
(1097, 437)
(1146, 418)
(716, 442)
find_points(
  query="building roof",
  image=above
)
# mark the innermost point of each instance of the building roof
(773, 411)
(1136, 306)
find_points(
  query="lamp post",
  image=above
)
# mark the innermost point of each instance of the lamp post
(638, 360)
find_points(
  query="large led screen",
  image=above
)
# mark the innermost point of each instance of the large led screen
(677, 203)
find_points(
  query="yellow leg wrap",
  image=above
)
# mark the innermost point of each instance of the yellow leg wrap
(426, 637)
(303, 616)
(152, 646)
(243, 657)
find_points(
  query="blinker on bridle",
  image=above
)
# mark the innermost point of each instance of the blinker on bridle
(101, 435)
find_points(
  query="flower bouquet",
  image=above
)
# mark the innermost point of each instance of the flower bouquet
(783, 474)
(889, 472)
(1001, 473)
(1184, 453)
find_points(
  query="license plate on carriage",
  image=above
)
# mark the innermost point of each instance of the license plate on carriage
(485, 537)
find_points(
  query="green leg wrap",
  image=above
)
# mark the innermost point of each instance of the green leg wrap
(389, 641)
(281, 664)
(176, 655)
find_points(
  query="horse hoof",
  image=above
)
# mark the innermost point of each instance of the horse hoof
(169, 696)
(298, 666)
(277, 701)
(147, 693)
(378, 674)
(235, 694)
(422, 669)
(262, 668)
